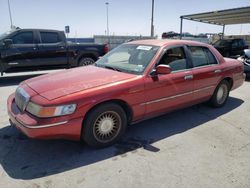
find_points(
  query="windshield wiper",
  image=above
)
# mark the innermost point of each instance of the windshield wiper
(112, 68)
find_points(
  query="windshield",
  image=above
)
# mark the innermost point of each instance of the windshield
(3, 35)
(223, 43)
(131, 58)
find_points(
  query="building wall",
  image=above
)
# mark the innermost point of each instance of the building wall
(115, 41)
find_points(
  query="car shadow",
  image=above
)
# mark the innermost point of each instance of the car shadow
(24, 158)
(15, 80)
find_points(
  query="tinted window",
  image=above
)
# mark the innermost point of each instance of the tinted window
(241, 43)
(199, 57)
(49, 37)
(223, 43)
(23, 38)
(235, 43)
(175, 58)
(210, 57)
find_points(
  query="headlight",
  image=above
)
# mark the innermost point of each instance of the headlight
(52, 111)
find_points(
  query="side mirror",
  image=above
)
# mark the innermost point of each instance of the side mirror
(163, 69)
(8, 43)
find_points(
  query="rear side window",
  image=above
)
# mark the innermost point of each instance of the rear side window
(241, 43)
(23, 38)
(210, 57)
(50, 37)
(199, 57)
(235, 44)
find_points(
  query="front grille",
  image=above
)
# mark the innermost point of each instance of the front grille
(21, 98)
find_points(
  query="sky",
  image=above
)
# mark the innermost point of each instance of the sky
(126, 17)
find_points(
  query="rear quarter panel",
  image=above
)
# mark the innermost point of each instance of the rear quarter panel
(78, 50)
(234, 69)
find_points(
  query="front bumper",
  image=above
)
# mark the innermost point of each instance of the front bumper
(43, 128)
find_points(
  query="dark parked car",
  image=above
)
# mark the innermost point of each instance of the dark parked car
(246, 60)
(39, 49)
(231, 47)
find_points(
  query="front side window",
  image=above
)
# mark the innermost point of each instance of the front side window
(23, 38)
(175, 58)
(49, 37)
(131, 58)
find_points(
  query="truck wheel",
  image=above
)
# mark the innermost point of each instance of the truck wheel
(220, 95)
(86, 61)
(104, 125)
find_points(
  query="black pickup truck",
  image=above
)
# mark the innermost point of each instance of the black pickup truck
(231, 47)
(40, 49)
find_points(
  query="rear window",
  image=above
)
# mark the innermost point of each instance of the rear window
(50, 37)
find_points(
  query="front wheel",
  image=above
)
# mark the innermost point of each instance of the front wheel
(86, 61)
(104, 125)
(220, 95)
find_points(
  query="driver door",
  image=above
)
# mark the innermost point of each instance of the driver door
(22, 52)
(167, 92)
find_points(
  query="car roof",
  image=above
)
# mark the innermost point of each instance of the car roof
(167, 42)
(35, 29)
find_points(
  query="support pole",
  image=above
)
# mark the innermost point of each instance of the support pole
(181, 27)
(152, 19)
(223, 31)
(11, 23)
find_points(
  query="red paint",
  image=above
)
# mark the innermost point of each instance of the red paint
(147, 96)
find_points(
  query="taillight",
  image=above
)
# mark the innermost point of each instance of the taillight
(106, 48)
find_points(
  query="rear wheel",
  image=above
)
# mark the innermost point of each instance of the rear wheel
(86, 61)
(220, 95)
(104, 125)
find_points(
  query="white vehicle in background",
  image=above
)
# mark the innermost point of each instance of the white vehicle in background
(246, 60)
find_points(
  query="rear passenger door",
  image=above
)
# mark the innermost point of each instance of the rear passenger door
(206, 72)
(52, 49)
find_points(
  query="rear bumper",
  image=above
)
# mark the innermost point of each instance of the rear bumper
(46, 128)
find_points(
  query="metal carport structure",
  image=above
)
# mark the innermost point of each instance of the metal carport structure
(220, 17)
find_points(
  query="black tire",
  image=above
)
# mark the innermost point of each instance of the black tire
(84, 61)
(104, 125)
(220, 95)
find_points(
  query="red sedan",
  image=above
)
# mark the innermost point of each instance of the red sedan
(135, 81)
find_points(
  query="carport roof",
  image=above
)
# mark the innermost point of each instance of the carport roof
(222, 17)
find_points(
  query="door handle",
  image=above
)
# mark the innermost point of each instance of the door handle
(188, 77)
(34, 48)
(62, 47)
(217, 71)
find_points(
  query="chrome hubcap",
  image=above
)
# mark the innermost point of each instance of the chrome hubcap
(87, 62)
(221, 94)
(107, 126)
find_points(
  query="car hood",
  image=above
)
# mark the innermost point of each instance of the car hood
(62, 83)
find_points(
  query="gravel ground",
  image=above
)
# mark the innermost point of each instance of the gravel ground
(195, 147)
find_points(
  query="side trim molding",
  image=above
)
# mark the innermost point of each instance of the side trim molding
(175, 96)
(42, 126)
